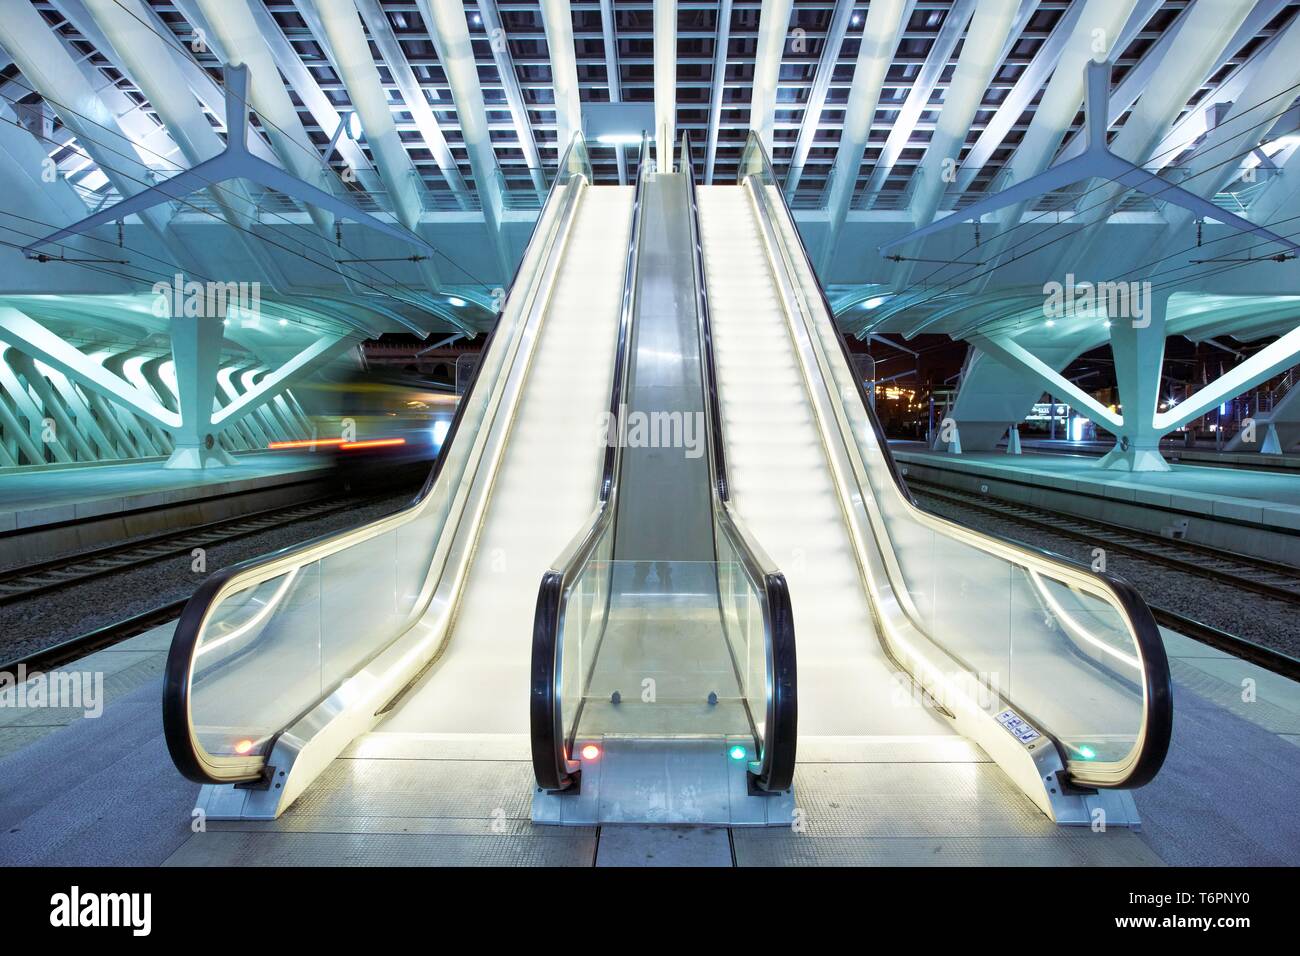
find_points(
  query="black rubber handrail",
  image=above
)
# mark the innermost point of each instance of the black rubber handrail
(781, 722)
(1157, 683)
(176, 690)
(551, 764)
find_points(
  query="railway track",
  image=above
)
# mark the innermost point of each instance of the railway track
(28, 580)
(1257, 575)
(78, 647)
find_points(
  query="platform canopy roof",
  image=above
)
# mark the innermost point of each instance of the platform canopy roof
(446, 118)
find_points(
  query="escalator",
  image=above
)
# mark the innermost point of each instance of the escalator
(910, 628)
(420, 620)
(663, 470)
(663, 657)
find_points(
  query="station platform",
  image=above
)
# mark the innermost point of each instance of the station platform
(1248, 511)
(102, 791)
(46, 511)
(1201, 453)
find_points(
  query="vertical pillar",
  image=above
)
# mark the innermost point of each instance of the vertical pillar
(196, 350)
(1138, 345)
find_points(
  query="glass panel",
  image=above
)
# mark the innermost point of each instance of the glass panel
(257, 662)
(647, 648)
(1073, 667)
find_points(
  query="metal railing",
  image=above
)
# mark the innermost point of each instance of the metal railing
(559, 672)
(774, 691)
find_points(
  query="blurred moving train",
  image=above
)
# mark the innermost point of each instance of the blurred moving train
(381, 429)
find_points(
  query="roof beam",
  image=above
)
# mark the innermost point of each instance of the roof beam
(233, 24)
(1195, 122)
(413, 95)
(773, 27)
(500, 46)
(1137, 80)
(613, 75)
(812, 112)
(954, 25)
(721, 44)
(993, 20)
(1031, 81)
(356, 66)
(49, 68)
(147, 59)
(880, 34)
(665, 71)
(1271, 90)
(557, 21)
(274, 49)
(1197, 41)
(450, 33)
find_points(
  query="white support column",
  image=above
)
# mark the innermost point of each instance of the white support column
(81, 414)
(665, 66)
(1014, 355)
(1275, 357)
(10, 386)
(35, 340)
(196, 350)
(1139, 352)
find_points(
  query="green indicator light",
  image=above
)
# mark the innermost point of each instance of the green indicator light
(738, 752)
(1087, 753)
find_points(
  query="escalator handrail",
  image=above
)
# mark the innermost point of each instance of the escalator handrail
(551, 764)
(1157, 726)
(779, 746)
(177, 684)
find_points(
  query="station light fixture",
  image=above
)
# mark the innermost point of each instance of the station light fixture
(619, 139)
(590, 752)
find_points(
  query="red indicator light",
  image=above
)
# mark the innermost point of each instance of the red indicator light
(305, 443)
(243, 747)
(373, 443)
(590, 752)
